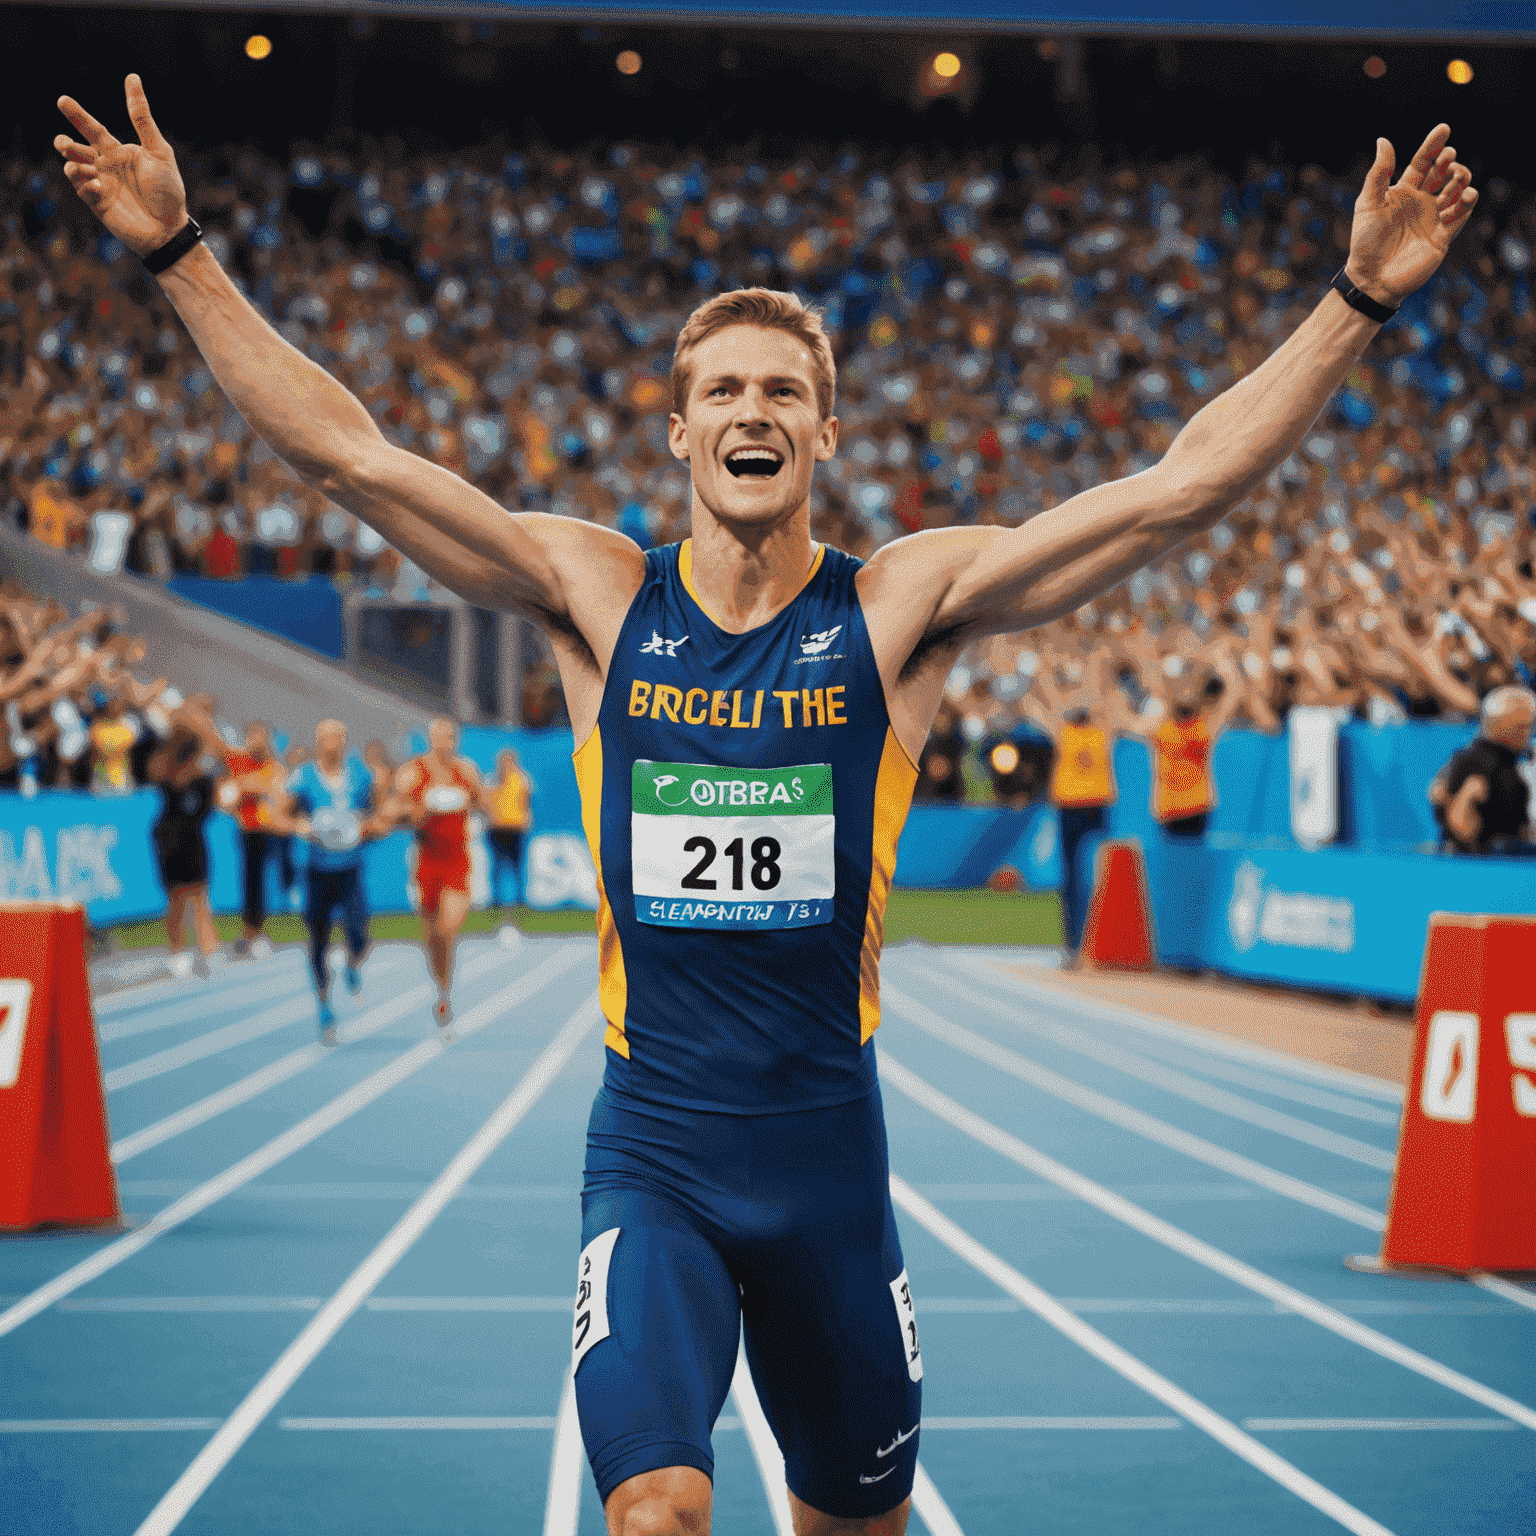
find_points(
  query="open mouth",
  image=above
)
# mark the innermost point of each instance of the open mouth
(761, 463)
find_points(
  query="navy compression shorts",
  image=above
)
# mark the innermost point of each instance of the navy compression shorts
(700, 1229)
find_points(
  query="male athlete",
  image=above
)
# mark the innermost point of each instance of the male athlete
(749, 707)
(437, 791)
(329, 802)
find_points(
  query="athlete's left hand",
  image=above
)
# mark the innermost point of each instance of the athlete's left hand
(1401, 233)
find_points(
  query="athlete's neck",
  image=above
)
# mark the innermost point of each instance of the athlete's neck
(743, 577)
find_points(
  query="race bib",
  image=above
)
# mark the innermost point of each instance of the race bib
(444, 798)
(741, 848)
(336, 830)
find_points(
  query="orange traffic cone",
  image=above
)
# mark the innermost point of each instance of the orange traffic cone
(55, 1164)
(1462, 1193)
(1118, 932)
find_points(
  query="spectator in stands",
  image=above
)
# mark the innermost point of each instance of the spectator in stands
(1480, 797)
(508, 804)
(255, 778)
(183, 769)
(939, 775)
(113, 733)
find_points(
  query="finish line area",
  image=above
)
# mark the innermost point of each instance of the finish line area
(342, 1301)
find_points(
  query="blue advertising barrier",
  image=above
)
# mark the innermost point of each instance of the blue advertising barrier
(306, 611)
(1333, 920)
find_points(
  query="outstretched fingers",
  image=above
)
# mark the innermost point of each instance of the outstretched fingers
(1423, 162)
(139, 114)
(72, 151)
(85, 124)
(1379, 177)
(1439, 173)
(1455, 211)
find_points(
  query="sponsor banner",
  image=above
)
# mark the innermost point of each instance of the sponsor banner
(1335, 920)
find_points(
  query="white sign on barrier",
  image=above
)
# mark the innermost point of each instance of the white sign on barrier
(15, 1005)
(1449, 1089)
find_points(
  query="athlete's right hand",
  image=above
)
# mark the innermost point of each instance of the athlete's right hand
(134, 189)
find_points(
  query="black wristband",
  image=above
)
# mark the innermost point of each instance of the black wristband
(1367, 306)
(174, 248)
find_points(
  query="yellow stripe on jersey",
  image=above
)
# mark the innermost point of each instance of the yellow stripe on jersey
(612, 986)
(893, 799)
(685, 571)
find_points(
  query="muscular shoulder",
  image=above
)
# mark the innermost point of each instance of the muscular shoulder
(593, 562)
(920, 564)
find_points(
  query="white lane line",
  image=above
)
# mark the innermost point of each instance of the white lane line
(529, 1421)
(1497, 1286)
(469, 1303)
(930, 1506)
(1125, 1364)
(1248, 1077)
(765, 1449)
(1041, 1421)
(101, 1426)
(1134, 1120)
(1169, 1080)
(562, 1504)
(279, 1071)
(1212, 1258)
(199, 1007)
(1201, 1040)
(299, 1010)
(230, 978)
(322, 1328)
(309, 1129)
(190, 1304)
(1275, 1426)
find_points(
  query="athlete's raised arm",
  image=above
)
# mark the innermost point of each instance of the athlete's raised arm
(952, 585)
(575, 578)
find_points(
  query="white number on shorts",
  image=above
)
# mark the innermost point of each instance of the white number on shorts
(906, 1314)
(591, 1321)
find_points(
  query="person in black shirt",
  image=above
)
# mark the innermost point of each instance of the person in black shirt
(1481, 800)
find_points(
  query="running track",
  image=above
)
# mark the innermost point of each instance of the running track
(343, 1302)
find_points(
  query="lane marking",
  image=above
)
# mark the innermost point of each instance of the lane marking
(1249, 1077)
(297, 1011)
(1123, 1363)
(765, 1449)
(930, 1506)
(256, 1083)
(196, 1008)
(1276, 1426)
(322, 1328)
(1134, 1120)
(530, 1421)
(229, 979)
(1498, 1286)
(1170, 1080)
(1040, 1421)
(1201, 1040)
(252, 1166)
(1191, 1247)
(562, 1505)
(102, 1426)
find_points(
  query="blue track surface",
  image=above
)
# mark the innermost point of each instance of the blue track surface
(244, 1354)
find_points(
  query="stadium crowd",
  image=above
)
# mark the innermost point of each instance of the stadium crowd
(1010, 330)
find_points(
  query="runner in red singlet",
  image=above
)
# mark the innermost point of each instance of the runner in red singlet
(438, 791)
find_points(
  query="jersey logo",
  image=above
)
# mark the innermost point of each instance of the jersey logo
(656, 646)
(820, 640)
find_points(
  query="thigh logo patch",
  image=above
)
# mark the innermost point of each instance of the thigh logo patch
(591, 1323)
(906, 1316)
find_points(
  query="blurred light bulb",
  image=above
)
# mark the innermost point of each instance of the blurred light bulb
(628, 62)
(1375, 67)
(257, 46)
(1459, 72)
(946, 66)
(1005, 757)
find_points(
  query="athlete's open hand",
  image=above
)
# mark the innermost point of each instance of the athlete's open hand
(1401, 233)
(134, 189)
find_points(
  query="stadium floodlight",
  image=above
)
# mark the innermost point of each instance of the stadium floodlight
(257, 46)
(1459, 72)
(946, 66)
(628, 62)
(1375, 67)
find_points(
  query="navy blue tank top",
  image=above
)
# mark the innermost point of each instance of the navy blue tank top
(742, 796)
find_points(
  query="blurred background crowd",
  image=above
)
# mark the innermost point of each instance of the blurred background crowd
(1012, 327)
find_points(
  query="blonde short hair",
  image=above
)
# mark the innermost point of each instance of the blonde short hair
(773, 311)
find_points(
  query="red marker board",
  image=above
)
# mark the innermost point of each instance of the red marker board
(1118, 932)
(1463, 1196)
(55, 1164)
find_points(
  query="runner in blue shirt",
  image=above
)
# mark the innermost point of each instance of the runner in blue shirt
(750, 706)
(331, 805)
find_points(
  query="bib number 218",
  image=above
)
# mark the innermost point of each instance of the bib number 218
(765, 863)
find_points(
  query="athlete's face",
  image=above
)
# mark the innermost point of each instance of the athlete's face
(751, 433)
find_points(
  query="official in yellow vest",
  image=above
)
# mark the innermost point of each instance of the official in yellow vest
(509, 803)
(1082, 788)
(1183, 790)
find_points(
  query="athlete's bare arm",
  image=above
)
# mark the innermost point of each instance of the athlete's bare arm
(928, 595)
(573, 578)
